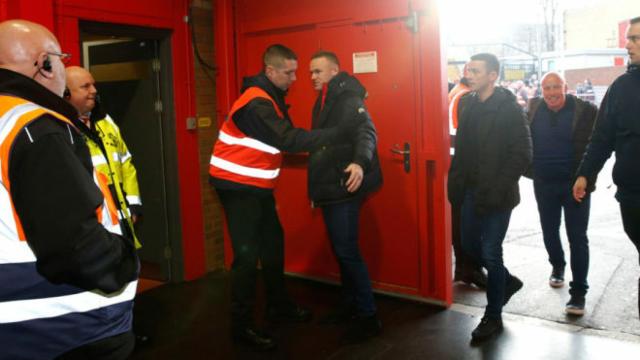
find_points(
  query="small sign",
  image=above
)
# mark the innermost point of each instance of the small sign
(365, 62)
(204, 122)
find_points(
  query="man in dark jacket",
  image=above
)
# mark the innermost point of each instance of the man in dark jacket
(245, 165)
(340, 176)
(617, 129)
(561, 125)
(493, 149)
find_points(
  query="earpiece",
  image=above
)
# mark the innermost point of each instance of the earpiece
(67, 93)
(46, 64)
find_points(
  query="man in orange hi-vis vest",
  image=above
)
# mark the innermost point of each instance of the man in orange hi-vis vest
(244, 167)
(68, 275)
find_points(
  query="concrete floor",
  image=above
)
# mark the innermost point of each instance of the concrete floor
(613, 274)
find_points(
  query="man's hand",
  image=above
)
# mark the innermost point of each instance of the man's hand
(579, 188)
(355, 177)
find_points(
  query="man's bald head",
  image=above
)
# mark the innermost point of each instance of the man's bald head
(82, 90)
(553, 75)
(554, 90)
(25, 46)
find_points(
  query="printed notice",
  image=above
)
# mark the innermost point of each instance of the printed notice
(365, 62)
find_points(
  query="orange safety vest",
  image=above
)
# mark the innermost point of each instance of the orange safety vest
(239, 158)
(454, 99)
(15, 115)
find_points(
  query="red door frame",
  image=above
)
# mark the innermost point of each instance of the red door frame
(63, 16)
(433, 135)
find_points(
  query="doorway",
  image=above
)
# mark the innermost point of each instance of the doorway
(131, 67)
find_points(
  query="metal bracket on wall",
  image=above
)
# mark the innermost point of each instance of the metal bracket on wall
(412, 21)
(191, 123)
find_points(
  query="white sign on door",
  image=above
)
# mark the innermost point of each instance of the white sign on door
(365, 62)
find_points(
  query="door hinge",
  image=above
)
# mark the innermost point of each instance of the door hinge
(155, 65)
(412, 21)
(157, 106)
(167, 252)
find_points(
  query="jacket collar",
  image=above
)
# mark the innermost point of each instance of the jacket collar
(262, 81)
(16, 84)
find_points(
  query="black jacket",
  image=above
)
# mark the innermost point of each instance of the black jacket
(584, 117)
(343, 109)
(617, 129)
(259, 120)
(503, 152)
(55, 197)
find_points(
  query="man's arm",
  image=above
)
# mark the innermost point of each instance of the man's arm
(56, 198)
(519, 149)
(260, 121)
(602, 141)
(359, 127)
(128, 175)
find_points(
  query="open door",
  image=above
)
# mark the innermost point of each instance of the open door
(402, 226)
(128, 80)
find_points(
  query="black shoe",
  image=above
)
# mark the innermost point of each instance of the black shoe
(257, 339)
(575, 306)
(475, 277)
(486, 329)
(361, 329)
(289, 313)
(513, 286)
(556, 280)
(339, 315)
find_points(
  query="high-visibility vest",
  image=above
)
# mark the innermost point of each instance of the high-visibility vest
(454, 100)
(39, 319)
(239, 158)
(117, 168)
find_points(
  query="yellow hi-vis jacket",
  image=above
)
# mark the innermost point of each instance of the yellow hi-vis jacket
(117, 167)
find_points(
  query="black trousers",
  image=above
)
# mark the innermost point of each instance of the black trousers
(117, 347)
(256, 235)
(631, 223)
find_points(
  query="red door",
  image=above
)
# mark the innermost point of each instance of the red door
(397, 226)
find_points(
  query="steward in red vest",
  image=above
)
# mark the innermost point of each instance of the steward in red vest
(245, 164)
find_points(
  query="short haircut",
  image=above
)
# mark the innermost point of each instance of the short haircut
(491, 61)
(635, 20)
(327, 55)
(276, 54)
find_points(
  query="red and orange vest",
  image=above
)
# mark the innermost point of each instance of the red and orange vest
(241, 159)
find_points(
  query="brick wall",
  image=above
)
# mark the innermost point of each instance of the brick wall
(598, 76)
(206, 108)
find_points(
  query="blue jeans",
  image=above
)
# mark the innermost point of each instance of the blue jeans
(482, 237)
(552, 198)
(341, 220)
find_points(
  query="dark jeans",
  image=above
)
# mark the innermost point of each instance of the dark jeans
(482, 237)
(465, 263)
(631, 223)
(552, 198)
(342, 223)
(117, 347)
(256, 235)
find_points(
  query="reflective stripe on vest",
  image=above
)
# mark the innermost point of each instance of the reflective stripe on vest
(242, 159)
(17, 114)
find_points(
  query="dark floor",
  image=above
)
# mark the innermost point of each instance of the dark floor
(191, 321)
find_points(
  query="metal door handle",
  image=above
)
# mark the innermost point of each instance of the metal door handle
(406, 154)
(396, 150)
